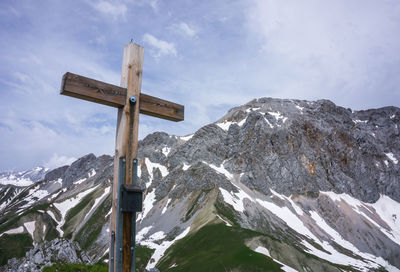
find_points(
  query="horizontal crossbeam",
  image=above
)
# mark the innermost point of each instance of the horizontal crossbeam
(107, 94)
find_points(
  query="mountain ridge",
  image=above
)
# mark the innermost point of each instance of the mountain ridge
(301, 185)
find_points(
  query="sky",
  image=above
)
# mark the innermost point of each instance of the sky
(207, 55)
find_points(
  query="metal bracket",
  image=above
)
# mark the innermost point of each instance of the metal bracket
(112, 251)
(130, 199)
(119, 229)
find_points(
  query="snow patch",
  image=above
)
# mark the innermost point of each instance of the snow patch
(100, 198)
(356, 121)
(300, 108)
(392, 157)
(109, 212)
(165, 150)
(147, 204)
(166, 206)
(385, 207)
(186, 138)
(242, 122)
(262, 250)
(221, 169)
(278, 116)
(185, 166)
(92, 173)
(251, 109)
(389, 211)
(297, 209)
(386, 163)
(52, 215)
(265, 252)
(157, 236)
(34, 195)
(69, 203)
(288, 217)
(160, 249)
(140, 235)
(30, 227)
(151, 165)
(20, 229)
(226, 222)
(235, 199)
(79, 181)
(225, 125)
(16, 181)
(270, 125)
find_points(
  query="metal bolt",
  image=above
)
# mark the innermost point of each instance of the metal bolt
(132, 99)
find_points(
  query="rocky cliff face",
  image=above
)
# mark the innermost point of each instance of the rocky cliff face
(307, 186)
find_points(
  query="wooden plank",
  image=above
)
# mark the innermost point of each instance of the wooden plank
(164, 109)
(135, 54)
(107, 94)
(93, 90)
(127, 138)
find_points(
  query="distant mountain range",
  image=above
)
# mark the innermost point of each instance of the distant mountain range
(24, 178)
(274, 185)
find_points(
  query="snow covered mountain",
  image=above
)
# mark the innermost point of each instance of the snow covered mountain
(24, 178)
(274, 185)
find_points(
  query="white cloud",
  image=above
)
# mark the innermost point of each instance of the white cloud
(58, 161)
(338, 47)
(184, 29)
(116, 10)
(152, 3)
(161, 47)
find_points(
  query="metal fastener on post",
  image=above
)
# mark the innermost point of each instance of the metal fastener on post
(132, 99)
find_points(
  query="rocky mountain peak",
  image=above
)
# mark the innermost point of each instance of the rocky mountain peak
(296, 184)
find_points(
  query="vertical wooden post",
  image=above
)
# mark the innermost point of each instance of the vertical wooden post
(127, 142)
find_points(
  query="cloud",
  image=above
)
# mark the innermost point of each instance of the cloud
(116, 10)
(184, 29)
(161, 48)
(58, 161)
(340, 48)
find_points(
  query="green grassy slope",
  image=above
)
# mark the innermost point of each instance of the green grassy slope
(216, 248)
(14, 245)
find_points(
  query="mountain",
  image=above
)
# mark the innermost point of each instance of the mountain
(274, 185)
(23, 178)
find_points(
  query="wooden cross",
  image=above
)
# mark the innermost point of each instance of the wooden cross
(129, 102)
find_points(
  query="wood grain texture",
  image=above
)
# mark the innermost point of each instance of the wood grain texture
(164, 109)
(93, 90)
(127, 134)
(107, 94)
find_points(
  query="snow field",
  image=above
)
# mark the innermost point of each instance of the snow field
(67, 204)
(389, 215)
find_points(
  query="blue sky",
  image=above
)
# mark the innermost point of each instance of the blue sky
(207, 55)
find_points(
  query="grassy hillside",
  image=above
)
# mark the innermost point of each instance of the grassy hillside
(216, 248)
